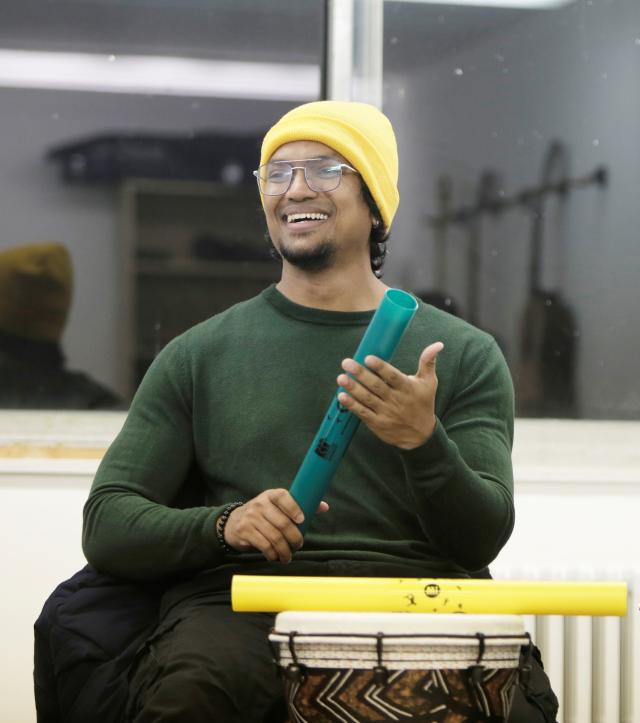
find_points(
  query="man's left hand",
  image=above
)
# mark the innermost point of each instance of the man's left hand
(398, 408)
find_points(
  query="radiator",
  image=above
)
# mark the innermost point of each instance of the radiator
(593, 663)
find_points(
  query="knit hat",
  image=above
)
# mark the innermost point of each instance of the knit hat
(36, 283)
(358, 131)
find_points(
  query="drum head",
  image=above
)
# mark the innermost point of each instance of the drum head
(397, 641)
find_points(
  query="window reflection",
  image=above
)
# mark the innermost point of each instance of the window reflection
(36, 292)
(162, 232)
(129, 131)
(516, 130)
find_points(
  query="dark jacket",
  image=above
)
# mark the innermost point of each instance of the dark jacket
(85, 639)
(87, 634)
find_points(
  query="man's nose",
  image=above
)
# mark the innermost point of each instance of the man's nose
(299, 186)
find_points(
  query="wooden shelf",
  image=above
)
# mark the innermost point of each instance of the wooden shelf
(170, 287)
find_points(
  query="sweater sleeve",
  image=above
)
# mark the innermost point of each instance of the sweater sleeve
(129, 529)
(462, 477)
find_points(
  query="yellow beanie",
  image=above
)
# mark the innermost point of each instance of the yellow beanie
(357, 131)
(36, 284)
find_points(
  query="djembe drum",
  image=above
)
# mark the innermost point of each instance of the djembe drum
(395, 667)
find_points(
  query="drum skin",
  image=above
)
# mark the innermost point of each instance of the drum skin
(428, 696)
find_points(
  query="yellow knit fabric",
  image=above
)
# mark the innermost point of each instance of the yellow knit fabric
(36, 285)
(357, 131)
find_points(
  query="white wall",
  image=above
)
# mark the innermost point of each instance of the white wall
(36, 206)
(570, 74)
(41, 500)
(577, 506)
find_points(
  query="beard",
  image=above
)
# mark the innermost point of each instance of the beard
(312, 260)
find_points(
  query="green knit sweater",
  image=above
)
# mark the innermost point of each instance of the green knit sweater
(237, 400)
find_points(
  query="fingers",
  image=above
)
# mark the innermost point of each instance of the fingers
(367, 387)
(267, 523)
(358, 392)
(272, 547)
(283, 500)
(378, 375)
(366, 413)
(390, 376)
(398, 408)
(427, 362)
(282, 526)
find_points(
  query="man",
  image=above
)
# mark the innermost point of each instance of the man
(36, 289)
(425, 488)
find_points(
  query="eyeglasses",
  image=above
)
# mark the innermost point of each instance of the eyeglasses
(321, 174)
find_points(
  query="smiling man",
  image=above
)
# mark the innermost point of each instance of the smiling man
(308, 211)
(425, 488)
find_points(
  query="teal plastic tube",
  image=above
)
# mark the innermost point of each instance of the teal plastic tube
(380, 339)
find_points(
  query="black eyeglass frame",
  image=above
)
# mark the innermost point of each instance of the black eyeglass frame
(338, 164)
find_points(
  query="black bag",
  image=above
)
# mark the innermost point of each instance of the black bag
(534, 701)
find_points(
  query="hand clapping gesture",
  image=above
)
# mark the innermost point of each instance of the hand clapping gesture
(398, 408)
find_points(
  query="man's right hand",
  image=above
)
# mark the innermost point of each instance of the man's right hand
(268, 523)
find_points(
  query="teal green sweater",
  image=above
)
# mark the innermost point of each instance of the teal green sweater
(237, 401)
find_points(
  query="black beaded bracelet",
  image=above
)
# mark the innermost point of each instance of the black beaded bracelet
(220, 524)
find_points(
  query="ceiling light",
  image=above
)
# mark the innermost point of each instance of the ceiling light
(158, 75)
(515, 4)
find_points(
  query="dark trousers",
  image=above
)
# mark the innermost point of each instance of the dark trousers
(206, 663)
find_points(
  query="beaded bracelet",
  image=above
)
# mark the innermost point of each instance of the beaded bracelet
(220, 524)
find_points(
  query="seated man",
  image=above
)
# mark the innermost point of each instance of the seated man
(425, 488)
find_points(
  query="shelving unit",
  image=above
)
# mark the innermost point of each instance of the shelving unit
(192, 250)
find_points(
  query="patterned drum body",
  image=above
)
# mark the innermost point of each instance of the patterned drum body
(398, 667)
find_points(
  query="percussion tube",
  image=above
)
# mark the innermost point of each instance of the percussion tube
(271, 593)
(380, 339)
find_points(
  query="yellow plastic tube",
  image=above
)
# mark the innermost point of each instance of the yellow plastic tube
(270, 593)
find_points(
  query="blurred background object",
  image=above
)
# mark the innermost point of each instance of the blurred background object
(36, 290)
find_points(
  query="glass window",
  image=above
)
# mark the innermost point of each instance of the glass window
(519, 154)
(128, 133)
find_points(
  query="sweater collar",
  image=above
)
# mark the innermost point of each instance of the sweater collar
(312, 315)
